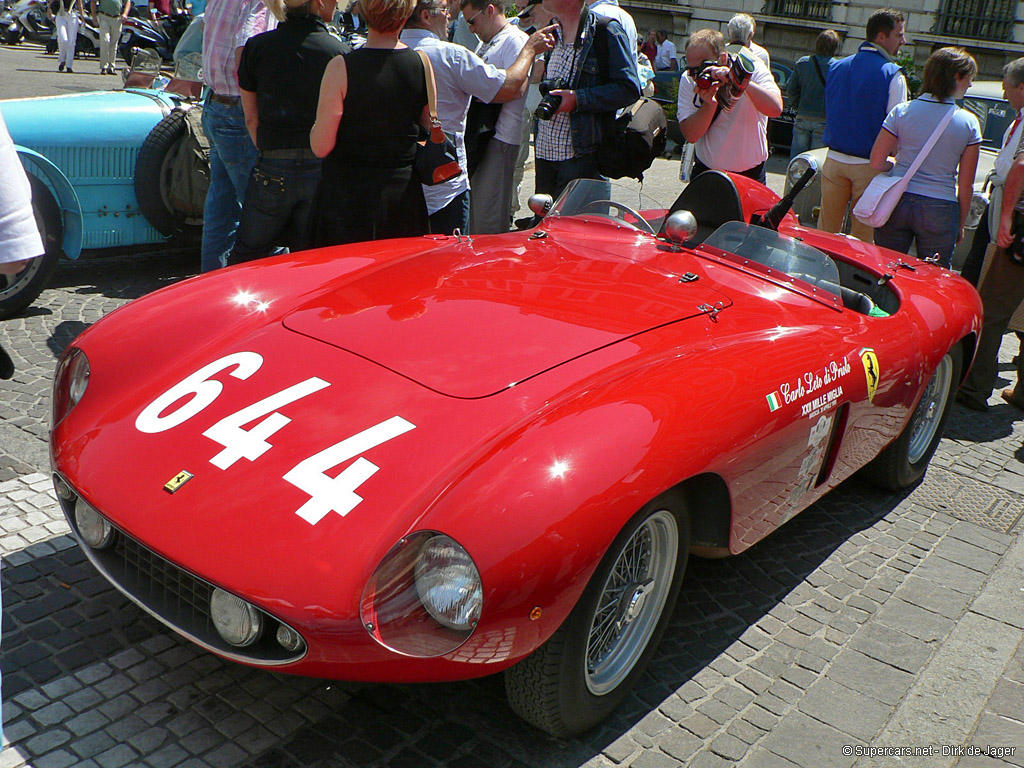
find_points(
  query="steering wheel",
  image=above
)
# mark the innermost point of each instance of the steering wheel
(641, 222)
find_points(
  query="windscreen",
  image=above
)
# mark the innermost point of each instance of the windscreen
(616, 200)
(777, 252)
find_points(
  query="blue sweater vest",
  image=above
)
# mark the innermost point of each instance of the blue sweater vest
(856, 97)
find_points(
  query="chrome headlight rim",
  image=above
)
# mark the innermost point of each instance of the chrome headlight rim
(70, 383)
(403, 610)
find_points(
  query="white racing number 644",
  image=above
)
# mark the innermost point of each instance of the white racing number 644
(327, 494)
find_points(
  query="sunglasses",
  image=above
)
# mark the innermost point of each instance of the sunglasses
(473, 18)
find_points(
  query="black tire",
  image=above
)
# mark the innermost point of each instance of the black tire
(125, 52)
(567, 687)
(51, 45)
(19, 290)
(152, 176)
(903, 464)
(12, 38)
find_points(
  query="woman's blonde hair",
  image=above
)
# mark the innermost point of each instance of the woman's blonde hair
(386, 15)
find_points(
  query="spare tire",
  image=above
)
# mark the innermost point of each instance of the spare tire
(170, 154)
(19, 290)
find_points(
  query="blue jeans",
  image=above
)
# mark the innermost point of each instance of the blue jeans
(807, 134)
(933, 223)
(232, 157)
(276, 211)
(553, 175)
(453, 216)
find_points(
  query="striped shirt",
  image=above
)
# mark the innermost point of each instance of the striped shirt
(226, 26)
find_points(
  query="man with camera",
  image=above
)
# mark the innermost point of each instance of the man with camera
(724, 105)
(460, 75)
(590, 73)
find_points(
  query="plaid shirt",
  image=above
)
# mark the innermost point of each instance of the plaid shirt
(554, 136)
(226, 27)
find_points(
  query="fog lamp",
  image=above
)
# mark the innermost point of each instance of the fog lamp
(288, 638)
(237, 621)
(92, 527)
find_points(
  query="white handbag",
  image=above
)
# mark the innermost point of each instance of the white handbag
(885, 190)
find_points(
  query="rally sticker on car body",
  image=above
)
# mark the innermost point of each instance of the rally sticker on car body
(810, 385)
(196, 392)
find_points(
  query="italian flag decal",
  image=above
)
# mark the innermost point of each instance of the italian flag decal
(773, 401)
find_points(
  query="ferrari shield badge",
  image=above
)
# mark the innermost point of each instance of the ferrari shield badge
(871, 370)
(175, 483)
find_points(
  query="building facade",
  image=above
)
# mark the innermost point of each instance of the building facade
(992, 30)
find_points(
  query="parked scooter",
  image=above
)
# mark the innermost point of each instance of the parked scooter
(160, 35)
(26, 20)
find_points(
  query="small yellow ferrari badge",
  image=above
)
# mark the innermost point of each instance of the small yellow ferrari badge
(871, 371)
(175, 483)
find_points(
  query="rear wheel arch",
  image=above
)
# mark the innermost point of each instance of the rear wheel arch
(710, 514)
(45, 173)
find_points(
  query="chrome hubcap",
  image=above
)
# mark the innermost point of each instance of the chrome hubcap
(631, 602)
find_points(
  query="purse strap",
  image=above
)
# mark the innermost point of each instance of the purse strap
(923, 154)
(436, 131)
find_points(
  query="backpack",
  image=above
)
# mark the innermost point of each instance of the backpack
(630, 142)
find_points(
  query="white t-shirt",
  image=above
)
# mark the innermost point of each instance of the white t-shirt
(736, 139)
(1011, 146)
(666, 52)
(460, 75)
(610, 9)
(502, 50)
(19, 236)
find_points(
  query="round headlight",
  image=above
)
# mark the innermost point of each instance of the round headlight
(797, 167)
(92, 527)
(69, 383)
(979, 201)
(288, 638)
(448, 583)
(425, 598)
(238, 622)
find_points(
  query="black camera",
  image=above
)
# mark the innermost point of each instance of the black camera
(741, 67)
(550, 103)
(700, 73)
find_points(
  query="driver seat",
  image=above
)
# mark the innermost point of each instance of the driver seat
(713, 200)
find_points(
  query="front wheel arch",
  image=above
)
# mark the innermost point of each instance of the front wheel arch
(567, 686)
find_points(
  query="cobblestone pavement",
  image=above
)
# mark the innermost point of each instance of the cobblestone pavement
(871, 620)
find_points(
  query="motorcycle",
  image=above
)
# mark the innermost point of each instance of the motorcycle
(26, 20)
(160, 35)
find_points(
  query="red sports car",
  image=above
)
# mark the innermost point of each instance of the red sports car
(445, 457)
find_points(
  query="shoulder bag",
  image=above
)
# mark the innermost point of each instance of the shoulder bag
(885, 190)
(437, 160)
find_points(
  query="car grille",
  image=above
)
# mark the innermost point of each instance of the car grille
(175, 596)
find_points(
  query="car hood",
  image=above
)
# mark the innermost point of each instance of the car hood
(471, 319)
(95, 118)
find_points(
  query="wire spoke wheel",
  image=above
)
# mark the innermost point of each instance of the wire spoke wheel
(928, 416)
(632, 602)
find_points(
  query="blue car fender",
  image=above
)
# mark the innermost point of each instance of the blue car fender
(64, 194)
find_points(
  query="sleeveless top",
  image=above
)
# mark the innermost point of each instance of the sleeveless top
(385, 100)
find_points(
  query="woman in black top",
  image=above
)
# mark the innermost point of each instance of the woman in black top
(279, 74)
(372, 103)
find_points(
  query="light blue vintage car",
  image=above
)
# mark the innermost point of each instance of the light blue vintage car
(109, 168)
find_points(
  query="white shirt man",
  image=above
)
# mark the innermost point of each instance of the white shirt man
(726, 139)
(19, 236)
(460, 75)
(492, 183)
(668, 57)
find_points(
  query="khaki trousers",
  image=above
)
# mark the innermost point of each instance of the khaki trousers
(842, 184)
(110, 31)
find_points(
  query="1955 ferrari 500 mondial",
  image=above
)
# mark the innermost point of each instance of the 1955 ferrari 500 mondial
(444, 457)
